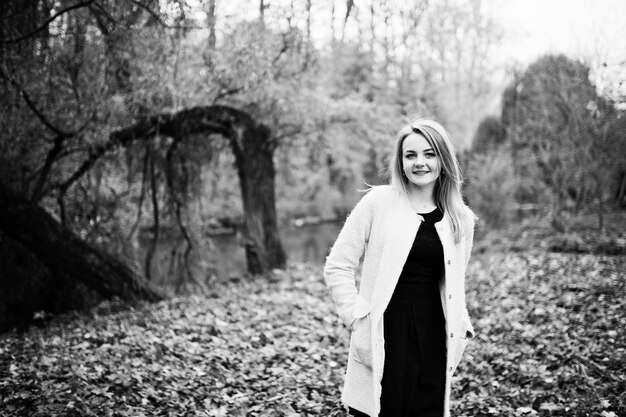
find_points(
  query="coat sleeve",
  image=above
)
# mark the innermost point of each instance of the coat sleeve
(343, 260)
(468, 252)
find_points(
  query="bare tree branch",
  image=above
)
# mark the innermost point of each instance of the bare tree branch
(47, 166)
(152, 13)
(225, 93)
(349, 5)
(60, 135)
(47, 22)
(211, 119)
(31, 105)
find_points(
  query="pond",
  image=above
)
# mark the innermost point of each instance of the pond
(224, 256)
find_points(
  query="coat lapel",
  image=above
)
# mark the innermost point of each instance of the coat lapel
(400, 227)
(444, 231)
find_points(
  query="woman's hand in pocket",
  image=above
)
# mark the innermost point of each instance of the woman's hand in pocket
(361, 341)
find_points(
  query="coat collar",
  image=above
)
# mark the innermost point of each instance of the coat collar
(443, 225)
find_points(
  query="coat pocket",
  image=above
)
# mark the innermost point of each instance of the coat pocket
(469, 329)
(361, 342)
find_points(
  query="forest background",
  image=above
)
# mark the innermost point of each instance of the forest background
(145, 120)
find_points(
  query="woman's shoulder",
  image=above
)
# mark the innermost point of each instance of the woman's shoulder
(381, 192)
(374, 200)
(378, 196)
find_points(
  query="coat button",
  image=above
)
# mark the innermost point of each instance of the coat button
(450, 369)
(451, 334)
(450, 297)
(448, 261)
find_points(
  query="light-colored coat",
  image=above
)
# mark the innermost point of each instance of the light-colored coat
(381, 228)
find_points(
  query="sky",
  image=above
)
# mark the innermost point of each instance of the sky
(593, 31)
(583, 28)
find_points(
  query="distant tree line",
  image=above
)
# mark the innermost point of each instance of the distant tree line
(557, 144)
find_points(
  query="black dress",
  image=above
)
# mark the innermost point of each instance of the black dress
(414, 374)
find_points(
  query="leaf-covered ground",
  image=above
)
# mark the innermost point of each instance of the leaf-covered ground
(551, 342)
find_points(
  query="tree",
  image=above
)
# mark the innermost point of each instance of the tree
(64, 252)
(115, 111)
(489, 135)
(54, 81)
(558, 126)
(253, 149)
(252, 146)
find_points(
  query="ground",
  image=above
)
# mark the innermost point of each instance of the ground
(551, 341)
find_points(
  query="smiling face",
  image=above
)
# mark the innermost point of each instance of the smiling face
(420, 163)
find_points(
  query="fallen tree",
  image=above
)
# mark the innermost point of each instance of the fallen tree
(62, 251)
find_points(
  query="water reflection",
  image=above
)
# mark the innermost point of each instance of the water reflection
(224, 257)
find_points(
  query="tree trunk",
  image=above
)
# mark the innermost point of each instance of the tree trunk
(621, 190)
(60, 250)
(210, 13)
(262, 7)
(254, 154)
(332, 24)
(349, 5)
(308, 22)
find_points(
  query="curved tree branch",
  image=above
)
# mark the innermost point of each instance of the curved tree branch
(60, 134)
(251, 144)
(47, 22)
(151, 12)
(211, 119)
(31, 105)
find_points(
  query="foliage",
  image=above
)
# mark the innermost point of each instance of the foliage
(549, 343)
(614, 144)
(268, 68)
(349, 152)
(549, 336)
(582, 234)
(557, 126)
(556, 145)
(249, 347)
(350, 70)
(491, 186)
(489, 135)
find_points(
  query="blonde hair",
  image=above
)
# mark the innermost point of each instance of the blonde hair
(448, 187)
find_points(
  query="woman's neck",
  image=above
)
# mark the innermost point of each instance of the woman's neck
(422, 199)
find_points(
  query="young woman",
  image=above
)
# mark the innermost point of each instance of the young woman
(408, 319)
